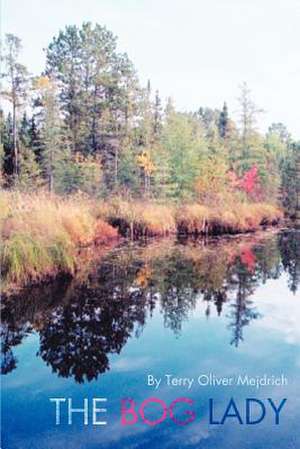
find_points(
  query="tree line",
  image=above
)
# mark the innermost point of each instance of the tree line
(86, 124)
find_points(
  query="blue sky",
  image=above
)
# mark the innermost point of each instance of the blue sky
(197, 51)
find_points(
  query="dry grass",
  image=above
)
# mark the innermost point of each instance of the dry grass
(139, 218)
(193, 219)
(41, 235)
(239, 217)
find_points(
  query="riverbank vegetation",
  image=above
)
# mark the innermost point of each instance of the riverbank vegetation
(42, 235)
(88, 153)
(149, 219)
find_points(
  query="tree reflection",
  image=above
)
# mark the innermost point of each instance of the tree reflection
(11, 336)
(242, 311)
(82, 322)
(289, 246)
(77, 338)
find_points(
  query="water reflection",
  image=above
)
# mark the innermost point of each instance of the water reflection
(81, 322)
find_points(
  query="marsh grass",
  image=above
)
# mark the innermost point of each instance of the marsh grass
(42, 235)
(135, 219)
(228, 218)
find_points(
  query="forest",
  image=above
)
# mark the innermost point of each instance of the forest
(88, 153)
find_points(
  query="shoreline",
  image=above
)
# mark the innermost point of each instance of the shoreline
(45, 235)
(88, 257)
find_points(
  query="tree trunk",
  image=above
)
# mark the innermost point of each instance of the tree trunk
(116, 165)
(50, 173)
(15, 143)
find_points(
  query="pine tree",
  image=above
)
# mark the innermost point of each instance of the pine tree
(29, 176)
(24, 130)
(16, 76)
(297, 173)
(290, 180)
(35, 139)
(96, 89)
(223, 122)
(157, 116)
(50, 126)
(8, 150)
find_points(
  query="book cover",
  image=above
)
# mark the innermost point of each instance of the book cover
(150, 216)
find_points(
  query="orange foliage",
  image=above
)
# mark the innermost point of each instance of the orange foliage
(104, 232)
(143, 276)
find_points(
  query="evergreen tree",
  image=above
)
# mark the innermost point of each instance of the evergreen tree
(97, 86)
(16, 76)
(8, 150)
(24, 130)
(50, 126)
(35, 139)
(223, 122)
(298, 187)
(29, 176)
(290, 179)
(157, 116)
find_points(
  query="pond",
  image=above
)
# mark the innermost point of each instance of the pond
(183, 313)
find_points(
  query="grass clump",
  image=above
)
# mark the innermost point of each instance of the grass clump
(22, 257)
(41, 235)
(137, 219)
(233, 218)
(193, 219)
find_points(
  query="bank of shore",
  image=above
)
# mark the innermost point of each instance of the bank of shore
(43, 236)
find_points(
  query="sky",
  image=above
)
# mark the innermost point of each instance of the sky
(196, 51)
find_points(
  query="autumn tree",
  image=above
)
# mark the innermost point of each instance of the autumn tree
(213, 182)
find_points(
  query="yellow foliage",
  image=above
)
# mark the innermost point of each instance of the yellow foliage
(213, 180)
(143, 276)
(145, 162)
(42, 83)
